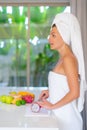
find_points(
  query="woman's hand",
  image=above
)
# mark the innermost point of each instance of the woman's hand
(45, 104)
(44, 95)
(42, 100)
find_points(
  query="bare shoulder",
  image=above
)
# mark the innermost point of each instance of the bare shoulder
(70, 64)
(69, 59)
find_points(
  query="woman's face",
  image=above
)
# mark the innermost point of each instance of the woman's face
(55, 39)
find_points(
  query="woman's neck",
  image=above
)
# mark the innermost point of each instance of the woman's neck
(64, 50)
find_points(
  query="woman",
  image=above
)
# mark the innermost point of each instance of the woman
(66, 80)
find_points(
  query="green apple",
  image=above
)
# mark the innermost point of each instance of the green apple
(3, 98)
(9, 99)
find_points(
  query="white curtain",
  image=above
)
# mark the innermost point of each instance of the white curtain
(79, 8)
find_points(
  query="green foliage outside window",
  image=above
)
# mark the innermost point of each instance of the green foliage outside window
(14, 27)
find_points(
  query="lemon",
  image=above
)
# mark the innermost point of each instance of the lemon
(16, 99)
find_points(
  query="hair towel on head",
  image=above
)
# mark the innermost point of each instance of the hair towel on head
(68, 27)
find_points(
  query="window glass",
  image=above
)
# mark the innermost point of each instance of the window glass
(13, 49)
(14, 28)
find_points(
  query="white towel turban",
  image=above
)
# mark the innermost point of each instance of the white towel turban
(68, 27)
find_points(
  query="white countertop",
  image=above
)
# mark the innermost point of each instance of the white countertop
(17, 117)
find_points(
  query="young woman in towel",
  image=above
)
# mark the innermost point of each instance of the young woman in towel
(66, 82)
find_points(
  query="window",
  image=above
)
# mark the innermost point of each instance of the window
(25, 55)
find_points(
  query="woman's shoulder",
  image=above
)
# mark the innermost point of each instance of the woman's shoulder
(69, 58)
(70, 62)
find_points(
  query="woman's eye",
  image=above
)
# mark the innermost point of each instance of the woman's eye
(53, 36)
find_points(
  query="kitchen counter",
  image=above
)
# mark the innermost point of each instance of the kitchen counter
(20, 117)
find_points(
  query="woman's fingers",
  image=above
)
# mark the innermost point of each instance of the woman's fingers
(43, 95)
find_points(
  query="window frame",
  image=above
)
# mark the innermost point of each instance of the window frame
(35, 2)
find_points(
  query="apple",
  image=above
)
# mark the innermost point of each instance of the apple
(3, 98)
(9, 99)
